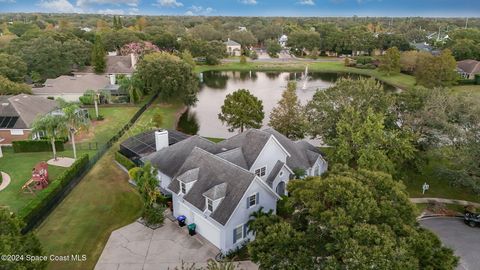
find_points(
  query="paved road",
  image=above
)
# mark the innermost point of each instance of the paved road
(465, 241)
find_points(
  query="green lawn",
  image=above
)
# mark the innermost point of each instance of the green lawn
(438, 187)
(170, 112)
(19, 167)
(101, 203)
(400, 80)
(115, 119)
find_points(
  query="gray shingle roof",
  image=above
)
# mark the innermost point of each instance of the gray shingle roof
(216, 192)
(273, 174)
(235, 156)
(251, 142)
(26, 108)
(298, 151)
(214, 171)
(169, 160)
(469, 66)
(189, 176)
(78, 84)
(230, 42)
(117, 64)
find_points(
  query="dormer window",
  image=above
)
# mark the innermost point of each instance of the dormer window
(209, 205)
(183, 188)
(261, 171)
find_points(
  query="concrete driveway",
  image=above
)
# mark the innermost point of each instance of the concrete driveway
(465, 241)
(136, 247)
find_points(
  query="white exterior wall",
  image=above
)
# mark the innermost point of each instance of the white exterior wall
(206, 227)
(319, 167)
(241, 215)
(284, 178)
(270, 154)
(164, 180)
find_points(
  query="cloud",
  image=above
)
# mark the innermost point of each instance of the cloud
(109, 11)
(169, 3)
(59, 6)
(133, 11)
(249, 2)
(307, 2)
(198, 10)
(132, 3)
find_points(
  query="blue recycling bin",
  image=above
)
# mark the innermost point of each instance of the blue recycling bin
(181, 220)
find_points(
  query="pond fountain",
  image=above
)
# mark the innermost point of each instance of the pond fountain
(305, 78)
(202, 118)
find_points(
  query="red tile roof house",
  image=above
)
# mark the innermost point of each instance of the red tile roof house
(17, 114)
(468, 68)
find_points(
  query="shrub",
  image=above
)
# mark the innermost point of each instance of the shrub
(284, 209)
(364, 59)
(100, 117)
(44, 198)
(124, 161)
(153, 215)
(253, 55)
(477, 79)
(158, 120)
(243, 60)
(466, 82)
(36, 146)
(133, 172)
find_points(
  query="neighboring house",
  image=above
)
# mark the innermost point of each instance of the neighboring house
(233, 48)
(422, 47)
(70, 88)
(218, 186)
(283, 41)
(120, 65)
(468, 68)
(17, 113)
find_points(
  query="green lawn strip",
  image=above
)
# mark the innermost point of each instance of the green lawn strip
(169, 113)
(215, 140)
(399, 80)
(439, 188)
(101, 203)
(19, 167)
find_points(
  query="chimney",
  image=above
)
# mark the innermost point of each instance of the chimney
(161, 139)
(112, 79)
(133, 59)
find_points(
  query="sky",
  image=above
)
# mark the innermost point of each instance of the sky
(400, 8)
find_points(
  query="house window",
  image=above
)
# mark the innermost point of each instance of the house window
(281, 173)
(209, 205)
(16, 131)
(261, 172)
(238, 234)
(183, 188)
(252, 200)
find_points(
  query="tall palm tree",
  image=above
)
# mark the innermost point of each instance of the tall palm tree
(132, 86)
(54, 127)
(75, 121)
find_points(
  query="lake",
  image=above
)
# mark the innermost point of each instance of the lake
(202, 118)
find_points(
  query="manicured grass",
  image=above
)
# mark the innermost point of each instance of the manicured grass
(101, 203)
(399, 80)
(115, 119)
(19, 167)
(472, 91)
(438, 187)
(169, 112)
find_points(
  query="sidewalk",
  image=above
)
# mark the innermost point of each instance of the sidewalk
(441, 200)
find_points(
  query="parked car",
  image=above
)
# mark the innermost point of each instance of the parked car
(471, 217)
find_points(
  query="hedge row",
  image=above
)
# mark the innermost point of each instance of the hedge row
(124, 161)
(36, 146)
(45, 197)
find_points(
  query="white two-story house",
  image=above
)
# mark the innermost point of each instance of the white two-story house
(218, 186)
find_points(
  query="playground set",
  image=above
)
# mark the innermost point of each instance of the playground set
(39, 178)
